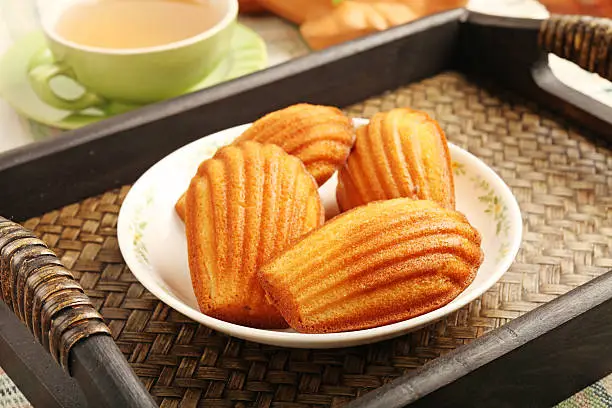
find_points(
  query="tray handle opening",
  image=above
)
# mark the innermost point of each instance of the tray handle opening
(46, 297)
(586, 41)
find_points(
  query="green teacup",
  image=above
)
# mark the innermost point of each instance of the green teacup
(131, 76)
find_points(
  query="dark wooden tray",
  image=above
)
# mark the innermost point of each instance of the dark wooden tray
(534, 360)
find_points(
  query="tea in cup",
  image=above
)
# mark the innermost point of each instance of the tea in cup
(131, 51)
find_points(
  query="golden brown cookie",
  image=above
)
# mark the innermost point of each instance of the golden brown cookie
(320, 136)
(245, 205)
(377, 264)
(400, 153)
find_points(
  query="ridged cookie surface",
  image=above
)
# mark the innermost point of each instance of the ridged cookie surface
(320, 136)
(400, 153)
(377, 264)
(245, 205)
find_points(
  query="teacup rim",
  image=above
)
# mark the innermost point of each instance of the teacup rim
(47, 24)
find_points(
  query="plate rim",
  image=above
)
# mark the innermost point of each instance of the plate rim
(321, 340)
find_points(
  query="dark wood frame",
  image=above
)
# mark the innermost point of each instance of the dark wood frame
(543, 345)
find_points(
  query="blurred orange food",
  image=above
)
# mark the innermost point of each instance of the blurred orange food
(426, 7)
(352, 19)
(297, 11)
(328, 22)
(250, 6)
(356, 18)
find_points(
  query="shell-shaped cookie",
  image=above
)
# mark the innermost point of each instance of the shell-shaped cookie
(376, 264)
(400, 153)
(243, 206)
(320, 136)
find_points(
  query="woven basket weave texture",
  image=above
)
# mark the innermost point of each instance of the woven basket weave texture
(562, 180)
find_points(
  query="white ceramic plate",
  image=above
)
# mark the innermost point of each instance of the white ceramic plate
(152, 240)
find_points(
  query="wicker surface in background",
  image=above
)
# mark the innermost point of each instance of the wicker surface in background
(563, 182)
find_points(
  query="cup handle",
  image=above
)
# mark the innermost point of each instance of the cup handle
(40, 77)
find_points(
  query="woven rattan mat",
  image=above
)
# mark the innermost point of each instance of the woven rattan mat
(562, 180)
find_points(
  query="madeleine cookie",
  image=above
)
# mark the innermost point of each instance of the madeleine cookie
(400, 153)
(377, 264)
(320, 136)
(243, 206)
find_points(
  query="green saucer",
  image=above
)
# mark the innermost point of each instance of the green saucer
(247, 55)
